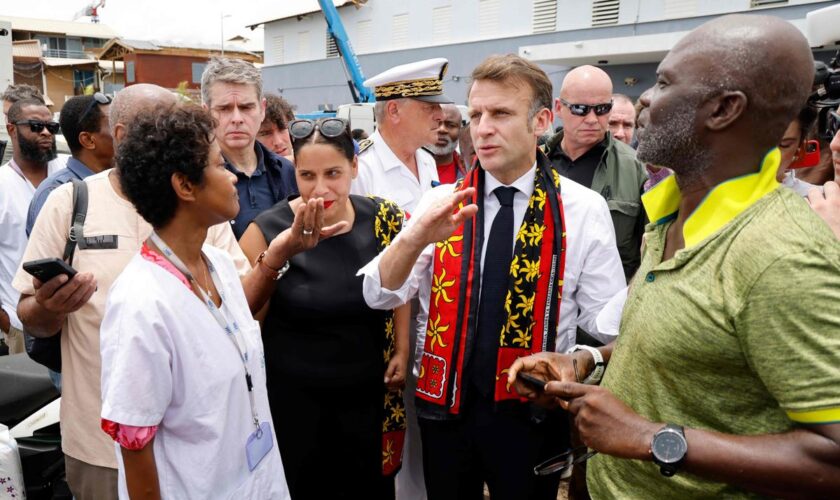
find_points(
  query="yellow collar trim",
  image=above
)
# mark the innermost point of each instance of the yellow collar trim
(723, 203)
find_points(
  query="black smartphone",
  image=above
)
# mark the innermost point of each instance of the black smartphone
(531, 381)
(47, 269)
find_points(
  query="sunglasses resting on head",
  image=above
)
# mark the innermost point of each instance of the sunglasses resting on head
(328, 127)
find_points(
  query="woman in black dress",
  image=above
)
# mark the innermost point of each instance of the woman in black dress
(339, 425)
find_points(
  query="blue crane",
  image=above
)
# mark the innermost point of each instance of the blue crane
(352, 67)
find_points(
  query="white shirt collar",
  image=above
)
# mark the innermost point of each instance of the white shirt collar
(386, 154)
(525, 182)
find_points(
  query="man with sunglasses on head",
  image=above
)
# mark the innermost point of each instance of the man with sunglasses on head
(84, 123)
(32, 132)
(586, 152)
(231, 90)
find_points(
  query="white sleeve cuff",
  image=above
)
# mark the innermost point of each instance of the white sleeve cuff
(378, 297)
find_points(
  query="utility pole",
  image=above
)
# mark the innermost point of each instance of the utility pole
(222, 17)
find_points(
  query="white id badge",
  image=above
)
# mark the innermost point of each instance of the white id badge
(259, 444)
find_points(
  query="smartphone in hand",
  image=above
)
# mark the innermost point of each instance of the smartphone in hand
(531, 381)
(47, 269)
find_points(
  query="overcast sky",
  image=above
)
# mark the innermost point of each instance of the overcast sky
(162, 20)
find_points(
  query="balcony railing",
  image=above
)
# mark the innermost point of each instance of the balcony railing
(66, 54)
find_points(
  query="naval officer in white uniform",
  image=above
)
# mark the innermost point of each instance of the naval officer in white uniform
(392, 163)
(394, 166)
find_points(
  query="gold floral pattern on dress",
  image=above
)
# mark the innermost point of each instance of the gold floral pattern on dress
(388, 222)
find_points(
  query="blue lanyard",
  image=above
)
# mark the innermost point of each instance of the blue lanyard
(230, 330)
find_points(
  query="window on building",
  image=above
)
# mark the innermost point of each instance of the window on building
(399, 31)
(303, 45)
(129, 72)
(488, 18)
(278, 47)
(362, 40)
(545, 16)
(82, 79)
(332, 48)
(675, 9)
(197, 71)
(442, 24)
(93, 43)
(605, 12)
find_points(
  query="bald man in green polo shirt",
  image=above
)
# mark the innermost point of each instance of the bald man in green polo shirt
(725, 379)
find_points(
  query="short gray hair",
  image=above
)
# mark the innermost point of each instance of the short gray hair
(222, 69)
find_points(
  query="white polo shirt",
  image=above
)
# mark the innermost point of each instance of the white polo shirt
(15, 195)
(382, 174)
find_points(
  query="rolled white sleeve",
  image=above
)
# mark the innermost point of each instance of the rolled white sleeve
(419, 281)
(601, 275)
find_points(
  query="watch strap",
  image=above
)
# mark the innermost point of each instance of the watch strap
(597, 373)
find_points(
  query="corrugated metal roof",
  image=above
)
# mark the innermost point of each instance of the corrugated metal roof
(293, 9)
(30, 49)
(71, 28)
(139, 44)
(162, 45)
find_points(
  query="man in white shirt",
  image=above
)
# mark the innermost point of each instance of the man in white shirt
(510, 263)
(391, 162)
(393, 165)
(19, 92)
(32, 132)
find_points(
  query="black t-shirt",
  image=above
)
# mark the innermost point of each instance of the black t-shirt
(581, 170)
(319, 330)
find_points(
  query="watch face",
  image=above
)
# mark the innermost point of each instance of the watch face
(669, 447)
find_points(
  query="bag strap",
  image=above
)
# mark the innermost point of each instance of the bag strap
(77, 221)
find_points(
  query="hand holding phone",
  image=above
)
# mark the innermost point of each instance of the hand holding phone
(47, 269)
(531, 382)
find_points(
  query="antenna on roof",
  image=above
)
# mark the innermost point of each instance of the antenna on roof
(91, 11)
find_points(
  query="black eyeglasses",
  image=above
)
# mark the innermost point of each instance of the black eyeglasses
(328, 127)
(833, 124)
(564, 461)
(36, 126)
(98, 98)
(583, 109)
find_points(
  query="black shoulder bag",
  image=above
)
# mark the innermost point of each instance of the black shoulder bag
(47, 351)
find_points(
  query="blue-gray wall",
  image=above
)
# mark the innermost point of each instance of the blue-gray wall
(313, 85)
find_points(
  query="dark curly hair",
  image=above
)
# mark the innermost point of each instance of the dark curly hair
(159, 143)
(278, 111)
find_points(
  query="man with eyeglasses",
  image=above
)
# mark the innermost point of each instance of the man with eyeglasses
(32, 132)
(586, 152)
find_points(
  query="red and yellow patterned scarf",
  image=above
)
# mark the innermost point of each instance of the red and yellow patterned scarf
(387, 224)
(532, 305)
